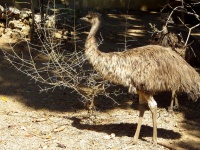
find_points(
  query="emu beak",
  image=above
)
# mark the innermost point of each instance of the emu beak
(84, 18)
(170, 21)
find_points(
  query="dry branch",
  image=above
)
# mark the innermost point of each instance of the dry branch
(47, 60)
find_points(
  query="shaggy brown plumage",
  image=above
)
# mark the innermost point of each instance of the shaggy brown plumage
(176, 40)
(150, 69)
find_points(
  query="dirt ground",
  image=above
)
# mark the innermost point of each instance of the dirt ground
(57, 120)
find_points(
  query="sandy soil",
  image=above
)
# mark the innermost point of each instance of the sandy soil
(56, 120)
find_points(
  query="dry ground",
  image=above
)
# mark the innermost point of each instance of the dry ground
(30, 120)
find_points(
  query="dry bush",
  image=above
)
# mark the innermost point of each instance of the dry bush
(56, 58)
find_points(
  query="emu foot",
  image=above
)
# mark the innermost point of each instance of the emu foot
(134, 142)
(153, 143)
(170, 109)
(176, 108)
(173, 109)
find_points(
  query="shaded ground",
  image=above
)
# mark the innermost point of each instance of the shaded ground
(57, 120)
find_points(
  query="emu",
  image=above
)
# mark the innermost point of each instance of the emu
(176, 39)
(150, 69)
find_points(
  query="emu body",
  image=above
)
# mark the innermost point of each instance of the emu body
(150, 69)
(176, 38)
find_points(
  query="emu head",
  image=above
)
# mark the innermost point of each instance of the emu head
(166, 19)
(91, 17)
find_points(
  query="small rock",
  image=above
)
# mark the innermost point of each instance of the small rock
(61, 145)
(39, 119)
(2, 25)
(107, 137)
(23, 128)
(112, 135)
(45, 147)
(61, 128)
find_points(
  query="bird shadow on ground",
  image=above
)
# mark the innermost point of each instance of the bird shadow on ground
(124, 129)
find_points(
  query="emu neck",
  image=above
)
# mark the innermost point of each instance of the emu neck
(94, 29)
(164, 29)
(91, 46)
(91, 40)
(96, 58)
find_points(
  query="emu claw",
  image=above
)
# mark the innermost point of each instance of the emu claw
(173, 109)
(134, 142)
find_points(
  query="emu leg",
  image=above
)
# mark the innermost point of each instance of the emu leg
(174, 102)
(170, 108)
(153, 108)
(142, 108)
(154, 111)
(176, 105)
(145, 99)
